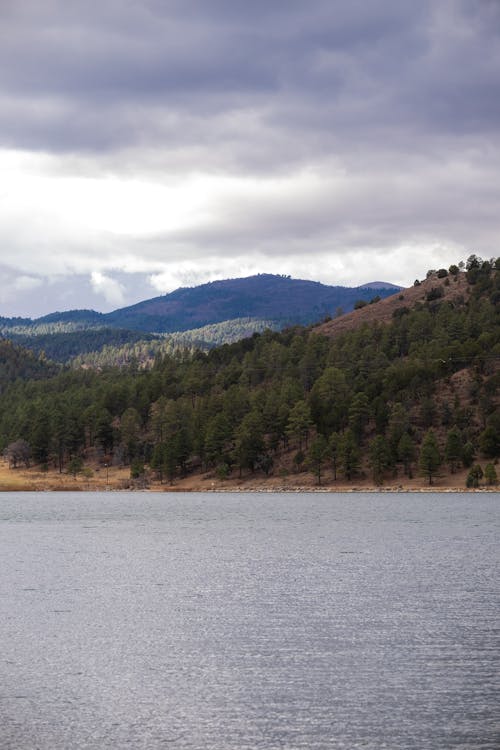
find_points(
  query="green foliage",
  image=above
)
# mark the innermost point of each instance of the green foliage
(249, 441)
(430, 456)
(137, 469)
(317, 455)
(406, 453)
(453, 448)
(334, 452)
(241, 404)
(349, 455)
(489, 441)
(380, 458)
(16, 362)
(490, 474)
(330, 400)
(474, 476)
(468, 454)
(435, 292)
(299, 459)
(299, 422)
(358, 414)
(75, 466)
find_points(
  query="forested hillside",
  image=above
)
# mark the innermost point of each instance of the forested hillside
(18, 363)
(64, 346)
(413, 394)
(202, 316)
(143, 351)
(265, 296)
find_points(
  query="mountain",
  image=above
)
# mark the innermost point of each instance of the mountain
(379, 285)
(238, 307)
(265, 296)
(269, 296)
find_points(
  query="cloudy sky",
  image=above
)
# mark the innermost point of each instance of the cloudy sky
(149, 144)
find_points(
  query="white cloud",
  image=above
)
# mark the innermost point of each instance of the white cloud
(26, 283)
(112, 291)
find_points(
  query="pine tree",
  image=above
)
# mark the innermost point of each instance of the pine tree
(380, 458)
(406, 453)
(474, 476)
(317, 454)
(490, 474)
(453, 448)
(349, 457)
(299, 422)
(430, 457)
(334, 451)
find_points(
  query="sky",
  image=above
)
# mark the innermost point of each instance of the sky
(152, 144)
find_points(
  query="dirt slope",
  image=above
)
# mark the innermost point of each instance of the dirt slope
(382, 312)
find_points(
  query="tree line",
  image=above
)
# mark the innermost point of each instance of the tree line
(388, 399)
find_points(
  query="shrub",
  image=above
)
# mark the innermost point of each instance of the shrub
(136, 468)
(434, 292)
(490, 474)
(474, 476)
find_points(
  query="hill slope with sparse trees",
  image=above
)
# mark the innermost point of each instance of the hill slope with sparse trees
(416, 394)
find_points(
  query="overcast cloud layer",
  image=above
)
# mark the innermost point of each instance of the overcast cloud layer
(147, 144)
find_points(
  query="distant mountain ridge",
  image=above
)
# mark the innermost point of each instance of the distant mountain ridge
(264, 296)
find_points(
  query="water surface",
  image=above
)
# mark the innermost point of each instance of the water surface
(227, 622)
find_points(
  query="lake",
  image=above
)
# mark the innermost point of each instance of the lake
(246, 621)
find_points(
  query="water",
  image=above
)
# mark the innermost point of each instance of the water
(227, 622)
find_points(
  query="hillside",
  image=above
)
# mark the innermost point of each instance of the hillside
(266, 296)
(18, 363)
(451, 288)
(236, 307)
(407, 396)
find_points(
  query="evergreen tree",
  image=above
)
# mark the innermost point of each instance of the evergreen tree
(317, 455)
(380, 459)
(474, 476)
(468, 454)
(406, 453)
(249, 441)
(330, 401)
(299, 422)
(358, 414)
(453, 449)
(334, 452)
(217, 439)
(430, 457)
(490, 474)
(75, 466)
(489, 442)
(349, 456)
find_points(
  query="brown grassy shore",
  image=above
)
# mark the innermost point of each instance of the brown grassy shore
(118, 478)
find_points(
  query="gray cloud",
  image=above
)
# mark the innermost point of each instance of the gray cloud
(351, 127)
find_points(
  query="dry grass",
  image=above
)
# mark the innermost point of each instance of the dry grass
(34, 480)
(382, 312)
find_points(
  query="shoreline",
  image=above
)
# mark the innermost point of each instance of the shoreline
(117, 479)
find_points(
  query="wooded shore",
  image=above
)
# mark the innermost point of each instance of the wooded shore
(118, 478)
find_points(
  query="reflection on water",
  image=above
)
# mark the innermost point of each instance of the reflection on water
(136, 620)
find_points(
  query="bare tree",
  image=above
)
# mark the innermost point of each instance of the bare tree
(18, 452)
